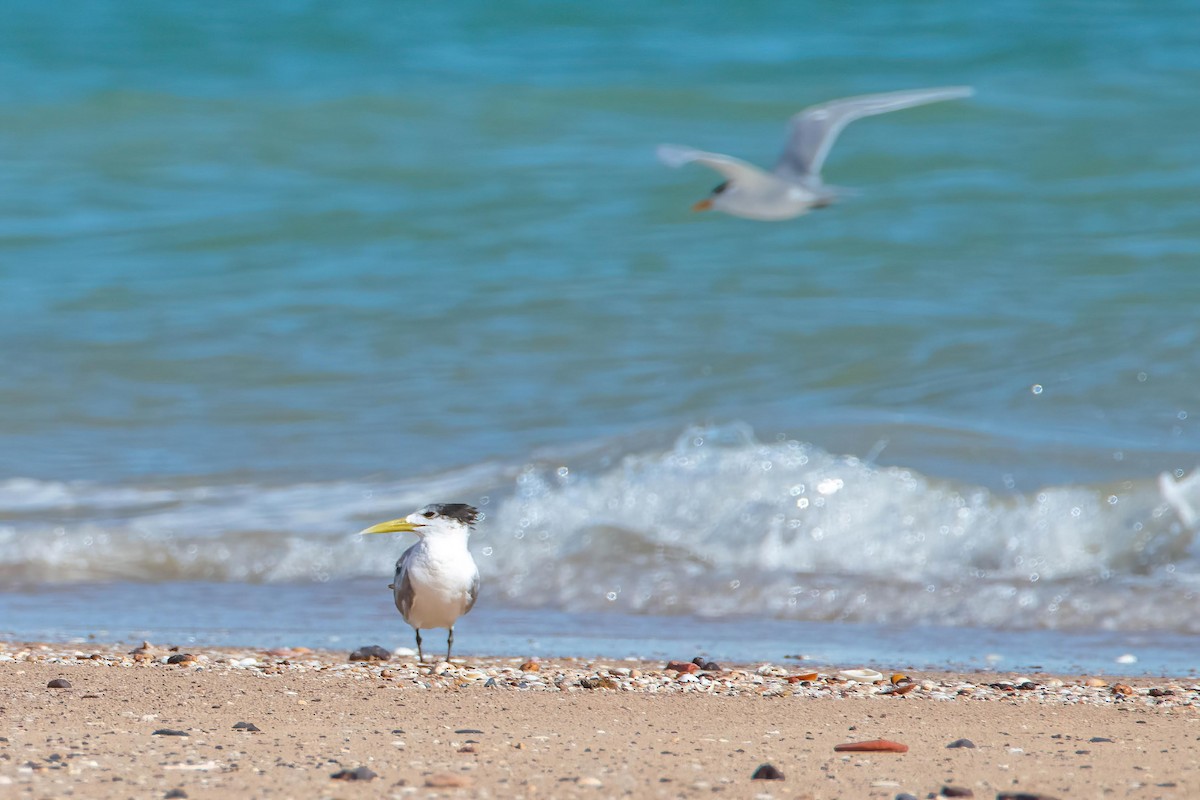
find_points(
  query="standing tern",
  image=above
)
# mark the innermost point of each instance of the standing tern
(436, 579)
(794, 187)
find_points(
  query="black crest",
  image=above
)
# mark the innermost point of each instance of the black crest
(460, 511)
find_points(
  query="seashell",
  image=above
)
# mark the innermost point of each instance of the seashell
(807, 676)
(866, 675)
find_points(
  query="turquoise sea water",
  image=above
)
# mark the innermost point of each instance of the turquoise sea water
(270, 273)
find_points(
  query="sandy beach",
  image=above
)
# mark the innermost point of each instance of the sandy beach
(162, 722)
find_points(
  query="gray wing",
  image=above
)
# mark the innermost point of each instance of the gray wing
(813, 131)
(402, 587)
(745, 174)
(472, 593)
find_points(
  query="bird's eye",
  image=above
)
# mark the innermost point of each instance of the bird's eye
(721, 188)
(428, 515)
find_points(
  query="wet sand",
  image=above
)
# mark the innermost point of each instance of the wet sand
(569, 728)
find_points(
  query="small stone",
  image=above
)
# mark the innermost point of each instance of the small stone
(490, 683)
(467, 748)
(246, 726)
(957, 791)
(961, 743)
(468, 730)
(903, 689)
(356, 774)
(1122, 688)
(767, 772)
(169, 732)
(448, 780)
(872, 746)
(370, 653)
(906, 796)
(531, 666)
(181, 658)
(1095, 739)
(595, 783)
(175, 793)
(1024, 796)
(1096, 683)
(59, 683)
(682, 666)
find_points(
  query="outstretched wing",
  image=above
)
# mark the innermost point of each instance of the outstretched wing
(813, 131)
(733, 169)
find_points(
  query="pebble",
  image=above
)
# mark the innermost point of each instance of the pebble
(448, 780)
(682, 666)
(1024, 796)
(767, 772)
(371, 652)
(1122, 688)
(246, 726)
(356, 774)
(595, 783)
(872, 746)
(59, 683)
(957, 791)
(175, 793)
(961, 743)
(169, 732)
(181, 658)
(531, 666)
(906, 796)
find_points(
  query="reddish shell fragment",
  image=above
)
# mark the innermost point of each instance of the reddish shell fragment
(807, 676)
(683, 666)
(872, 746)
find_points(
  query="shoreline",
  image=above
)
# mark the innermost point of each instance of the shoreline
(507, 727)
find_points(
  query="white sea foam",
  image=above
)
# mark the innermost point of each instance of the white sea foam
(717, 524)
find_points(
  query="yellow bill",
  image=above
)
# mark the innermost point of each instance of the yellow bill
(392, 526)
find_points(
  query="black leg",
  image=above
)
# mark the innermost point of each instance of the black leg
(449, 643)
(420, 658)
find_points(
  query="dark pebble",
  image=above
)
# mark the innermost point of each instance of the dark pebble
(1024, 796)
(957, 791)
(356, 774)
(169, 732)
(766, 772)
(1099, 739)
(246, 726)
(961, 743)
(178, 657)
(59, 683)
(468, 730)
(490, 684)
(906, 796)
(1161, 693)
(370, 653)
(175, 793)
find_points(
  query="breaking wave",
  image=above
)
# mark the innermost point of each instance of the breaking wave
(716, 524)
